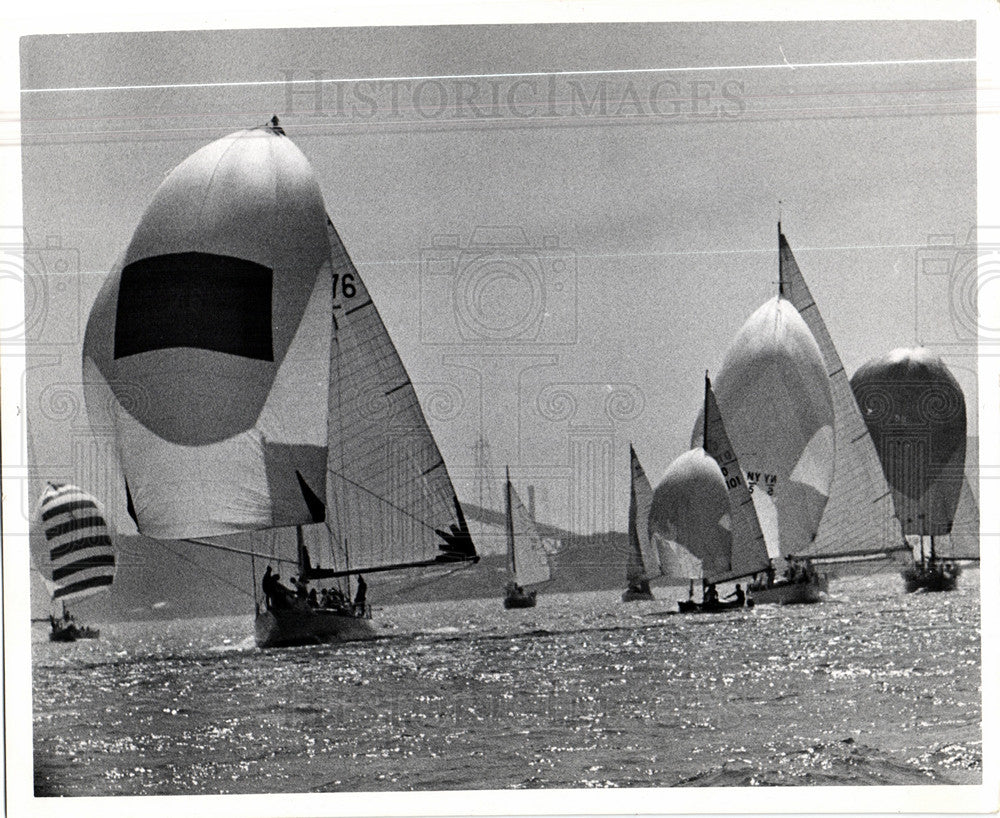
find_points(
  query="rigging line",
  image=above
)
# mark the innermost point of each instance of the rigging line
(511, 75)
(201, 567)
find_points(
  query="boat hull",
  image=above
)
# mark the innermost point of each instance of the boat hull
(315, 626)
(933, 578)
(71, 633)
(632, 595)
(790, 593)
(522, 599)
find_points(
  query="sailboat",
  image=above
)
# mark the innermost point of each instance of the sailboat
(860, 522)
(76, 558)
(743, 552)
(527, 562)
(252, 386)
(643, 561)
(774, 392)
(915, 411)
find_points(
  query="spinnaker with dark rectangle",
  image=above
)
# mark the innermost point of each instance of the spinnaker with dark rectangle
(198, 300)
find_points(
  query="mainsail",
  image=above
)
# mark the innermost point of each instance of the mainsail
(748, 552)
(643, 561)
(76, 558)
(390, 497)
(860, 516)
(527, 560)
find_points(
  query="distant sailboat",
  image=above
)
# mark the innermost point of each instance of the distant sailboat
(860, 522)
(527, 561)
(254, 386)
(643, 562)
(773, 391)
(743, 552)
(915, 411)
(76, 558)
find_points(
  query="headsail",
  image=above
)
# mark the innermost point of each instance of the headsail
(690, 519)
(860, 515)
(643, 562)
(774, 392)
(915, 411)
(389, 494)
(748, 553)
(208, 347)
(527, 561)
(76, 557)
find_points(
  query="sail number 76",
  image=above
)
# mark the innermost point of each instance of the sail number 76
(347, 288)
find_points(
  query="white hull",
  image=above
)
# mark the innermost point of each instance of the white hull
(790, 593)
(315, 626)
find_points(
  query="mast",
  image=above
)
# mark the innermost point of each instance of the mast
(510, 529)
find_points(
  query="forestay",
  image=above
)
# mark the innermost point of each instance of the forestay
(76, 556)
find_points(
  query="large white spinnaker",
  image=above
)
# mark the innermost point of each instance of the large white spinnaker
(208, 347)
(773, 391)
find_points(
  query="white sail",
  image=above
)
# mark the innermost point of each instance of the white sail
(527, 561)
(690, 518)
(389, 494)
(748, 553)
(249, 378)
(208, 347)
(774, 392)
(76, 557)
(643, 561)
(860, 516)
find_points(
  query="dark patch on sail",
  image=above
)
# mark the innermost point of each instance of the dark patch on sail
(197, 300)
(130, 506)
(79, 524)
(62, 508)
(296, 482)
(82, 544)
(316, 506)
(457, 543)
(82, 585)
(98, 561)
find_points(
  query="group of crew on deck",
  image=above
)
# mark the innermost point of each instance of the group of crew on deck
(797, 571)
(303, 598)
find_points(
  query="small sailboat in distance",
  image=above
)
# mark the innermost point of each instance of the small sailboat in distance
(253, 387)
(643, 561)
(527, 561)
(76, 557)
(915, 411)
(744, 552)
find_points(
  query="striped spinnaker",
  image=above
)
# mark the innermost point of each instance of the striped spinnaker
(75, 555)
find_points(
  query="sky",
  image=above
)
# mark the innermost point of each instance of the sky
(563, 226)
